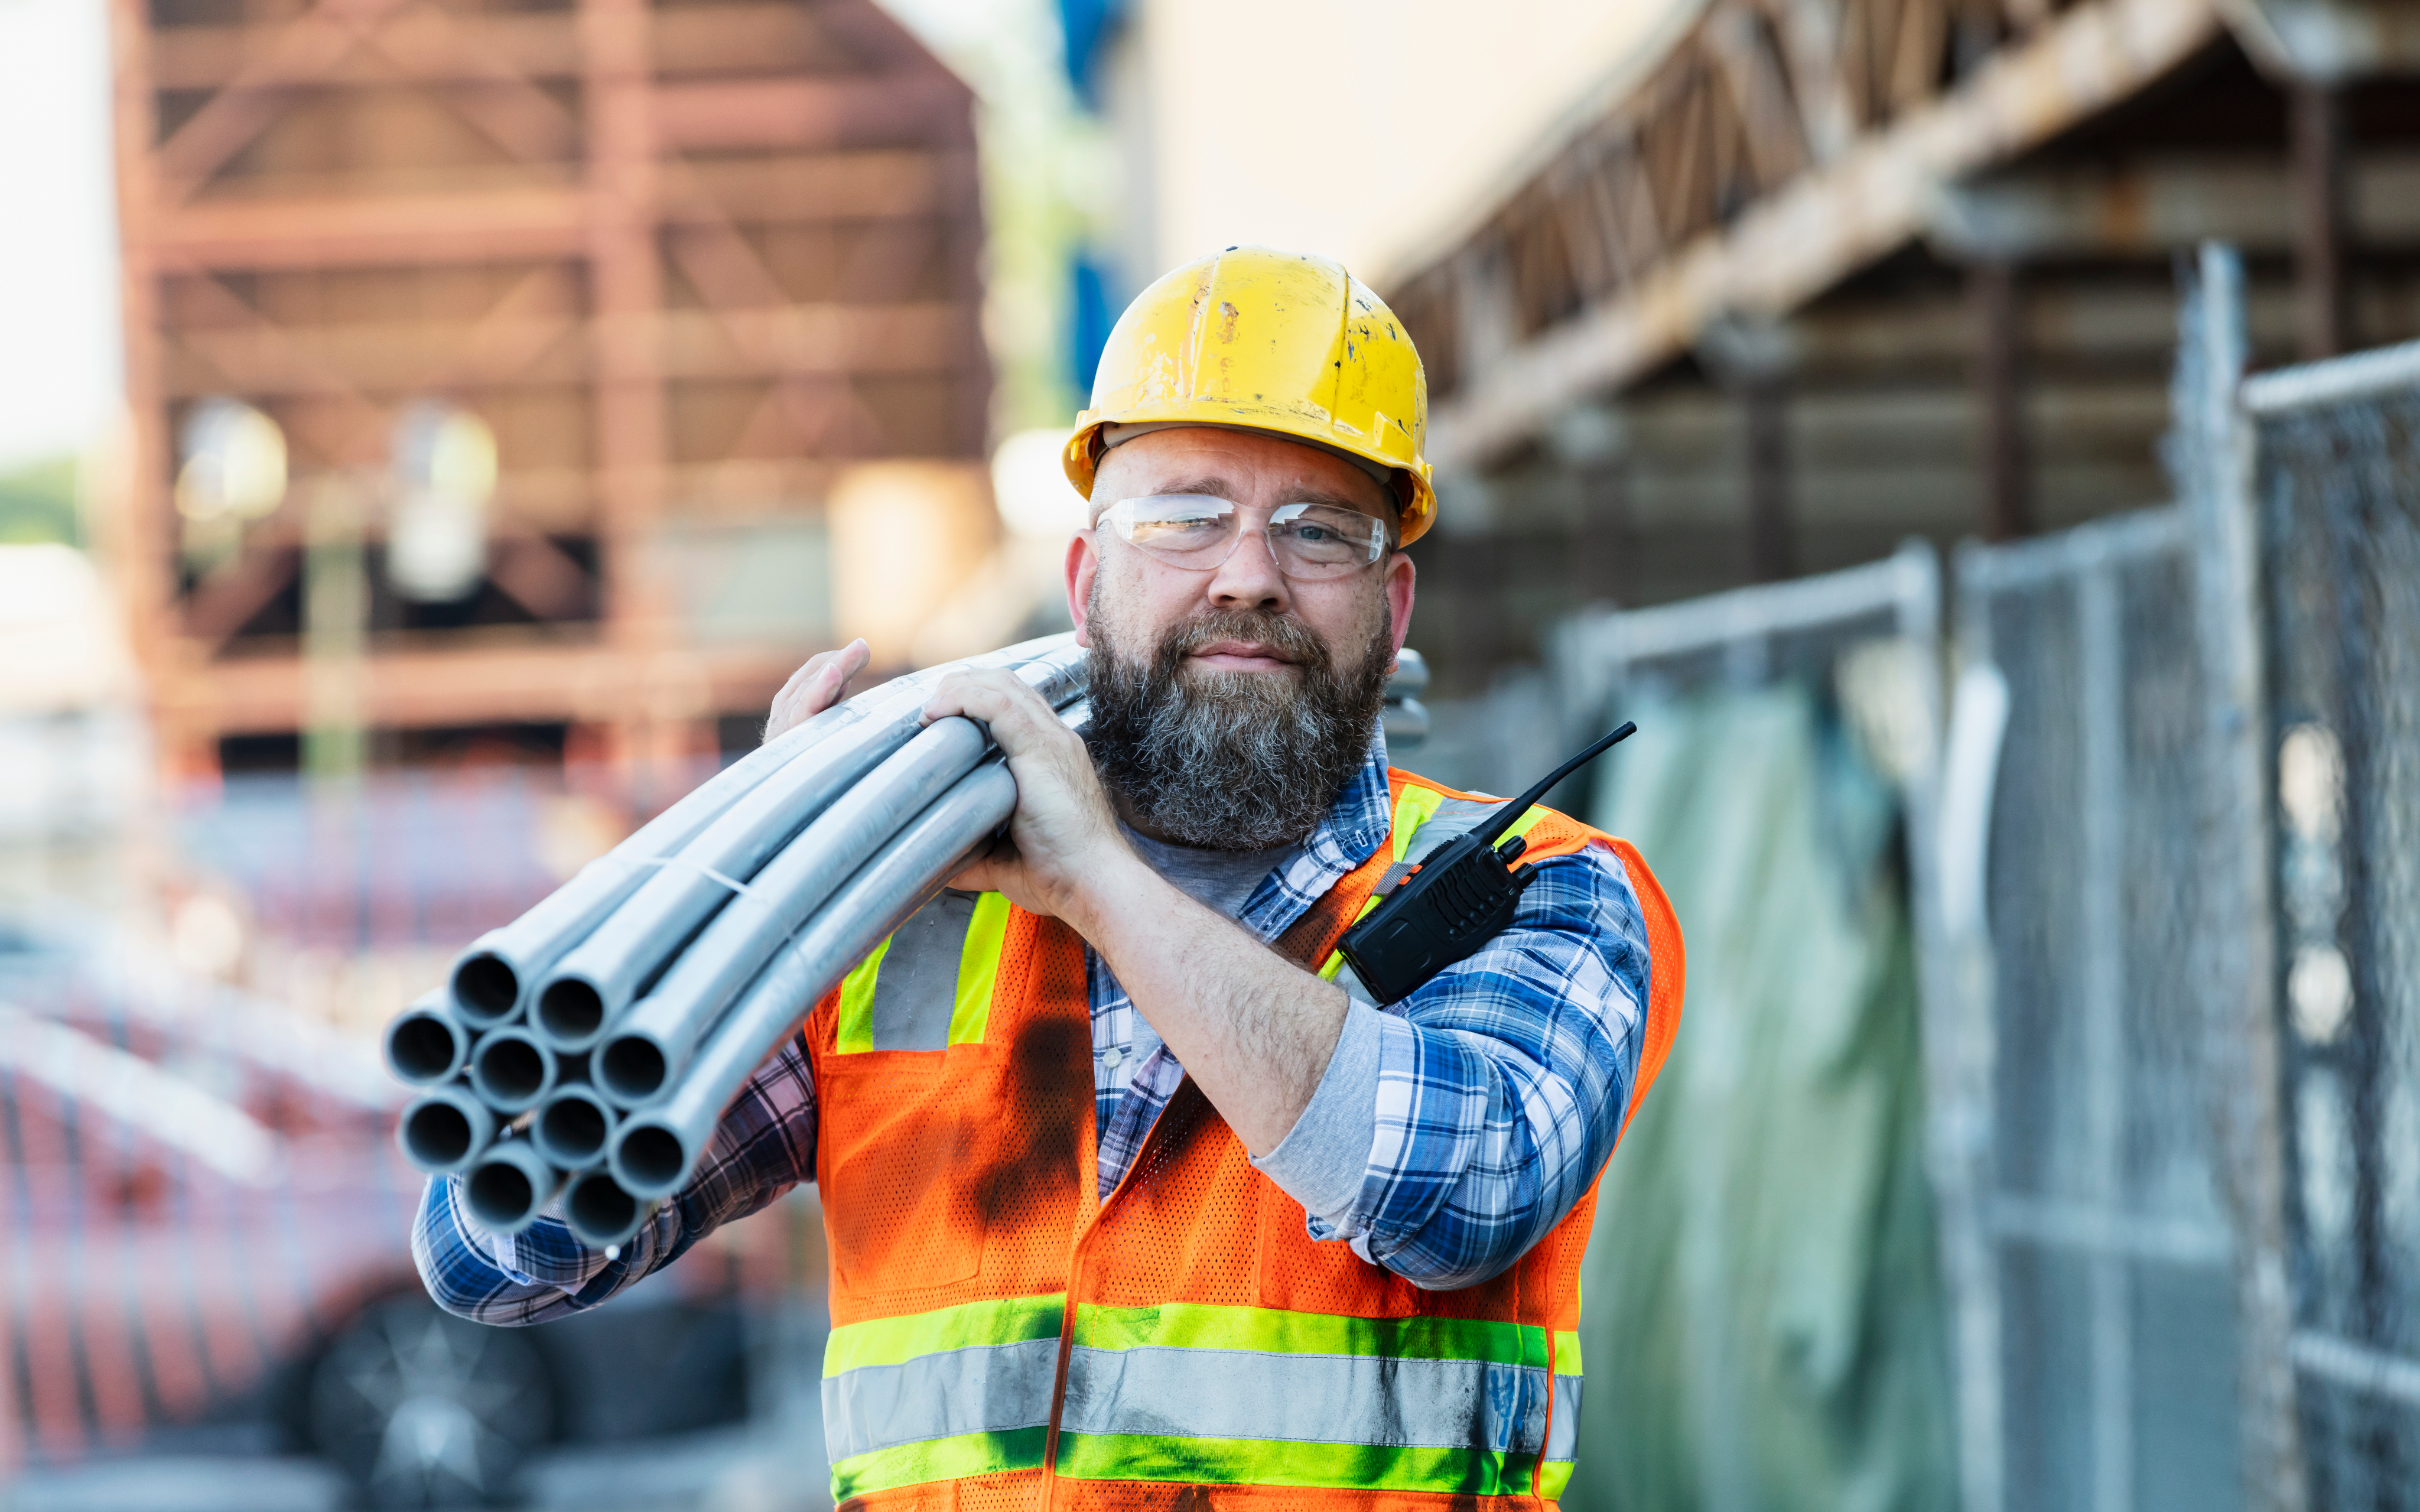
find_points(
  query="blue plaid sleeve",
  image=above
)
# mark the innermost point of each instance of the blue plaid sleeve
(764, 1146)
(1502, 1081)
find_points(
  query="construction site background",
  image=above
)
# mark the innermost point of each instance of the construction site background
(430, 431)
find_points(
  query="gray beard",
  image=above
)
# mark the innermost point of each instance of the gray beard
(1233, 760)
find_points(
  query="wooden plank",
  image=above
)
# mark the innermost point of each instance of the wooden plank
(412, 47)
(813, 187)
(141, 522)
(388, 230)
(816, 113)
(404, 358)
(490, 678)
(539, 221)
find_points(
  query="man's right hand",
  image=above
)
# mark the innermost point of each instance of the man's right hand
(815, 687)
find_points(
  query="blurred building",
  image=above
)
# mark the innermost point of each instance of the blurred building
(496, 369)
(1741, 289)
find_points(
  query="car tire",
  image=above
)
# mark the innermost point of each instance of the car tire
(424, 1409)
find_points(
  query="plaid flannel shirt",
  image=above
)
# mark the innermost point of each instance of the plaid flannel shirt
(1501, 1086)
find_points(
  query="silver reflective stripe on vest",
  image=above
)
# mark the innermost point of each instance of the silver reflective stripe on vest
(985, 1389)
(1563, 1433)
(917, 984)
(1307, 1398)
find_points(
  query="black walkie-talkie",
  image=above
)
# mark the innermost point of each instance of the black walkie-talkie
(1454, 901)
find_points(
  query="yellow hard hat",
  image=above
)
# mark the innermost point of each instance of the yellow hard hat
(1273, 342)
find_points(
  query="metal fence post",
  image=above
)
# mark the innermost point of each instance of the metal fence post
(2239, 866)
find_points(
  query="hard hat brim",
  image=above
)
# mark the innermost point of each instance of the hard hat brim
(1415, 496)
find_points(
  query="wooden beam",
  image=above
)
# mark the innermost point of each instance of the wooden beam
(1828, 222)
(412, 47)
(918, 108)
(2316, 118)
(2156, 207)
(539, 221)
(481, 679)
(1999, 358)
(388, 230)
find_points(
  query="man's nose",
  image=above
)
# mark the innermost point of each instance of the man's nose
(1248, 578)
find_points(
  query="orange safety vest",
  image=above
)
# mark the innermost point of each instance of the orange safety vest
(1004, 1338)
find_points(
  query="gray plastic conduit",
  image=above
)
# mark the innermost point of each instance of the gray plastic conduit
(656, 1149)
(508, 1186)
(600, 1212)
(571, 1127)
(592, 986)
(427, 1044)
(511, 1071)
(492, 980)
(444, 1129)
(651, 1045)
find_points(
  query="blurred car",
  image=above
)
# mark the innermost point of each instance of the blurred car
(205, 1247)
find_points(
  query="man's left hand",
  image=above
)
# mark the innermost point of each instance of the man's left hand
(1064, 841)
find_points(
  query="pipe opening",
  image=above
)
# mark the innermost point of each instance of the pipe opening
(486, 987)
(599, 1205)
(632, 1068)
(501, 1194)
(570, 1009)
(422, 1047)
(651, 1155)
(437, 1133)
(510, 1069)
(573, 1129)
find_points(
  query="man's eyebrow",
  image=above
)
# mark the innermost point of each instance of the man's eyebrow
(1217, 487)
(1313, 493)
(1220, 487)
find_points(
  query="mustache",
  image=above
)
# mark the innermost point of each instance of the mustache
(1283, 634)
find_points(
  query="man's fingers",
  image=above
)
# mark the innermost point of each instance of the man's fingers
(815, 687)
(1015, 713)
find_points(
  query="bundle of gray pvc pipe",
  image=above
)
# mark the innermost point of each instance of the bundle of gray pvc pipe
(587, 1049)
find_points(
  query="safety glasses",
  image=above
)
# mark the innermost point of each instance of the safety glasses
(1196, 532)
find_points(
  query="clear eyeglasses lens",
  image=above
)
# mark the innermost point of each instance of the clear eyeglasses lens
(1195, 531)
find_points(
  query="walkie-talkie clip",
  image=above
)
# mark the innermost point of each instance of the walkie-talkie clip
(1455, 900)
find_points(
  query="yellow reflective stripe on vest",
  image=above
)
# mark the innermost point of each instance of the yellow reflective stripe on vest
(1261, 1397)
(959, 1390)
(1273, 1331)
(979, 968)
(856, 1031)
(1325, 1466)
(891, 1341)
(939, 1459)
(929, 986)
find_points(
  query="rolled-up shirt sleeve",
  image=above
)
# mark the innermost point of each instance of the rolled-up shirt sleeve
(764, 1146)
(1482, 1106)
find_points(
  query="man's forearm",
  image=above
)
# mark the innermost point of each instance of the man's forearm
(1252, 1028)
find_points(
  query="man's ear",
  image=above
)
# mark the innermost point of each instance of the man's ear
(1400, 577)
(1083, 564)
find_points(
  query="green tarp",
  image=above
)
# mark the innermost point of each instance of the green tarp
(1761, 1318)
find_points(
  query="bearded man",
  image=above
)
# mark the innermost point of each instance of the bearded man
(1296, 1246)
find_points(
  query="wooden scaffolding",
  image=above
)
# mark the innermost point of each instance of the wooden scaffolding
(687, 262)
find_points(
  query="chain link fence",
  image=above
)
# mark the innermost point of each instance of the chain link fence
(2336, 510)
(2180, 1096)
(2163, 856)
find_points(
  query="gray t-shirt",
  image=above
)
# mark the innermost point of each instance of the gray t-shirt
(1220, 880)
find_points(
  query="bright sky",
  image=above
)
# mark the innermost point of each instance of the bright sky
(59, 352)
(1371, 131)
